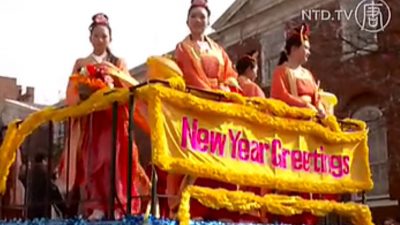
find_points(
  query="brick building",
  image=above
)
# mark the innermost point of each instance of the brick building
(9, 89)
(16, 104)
(360, 67)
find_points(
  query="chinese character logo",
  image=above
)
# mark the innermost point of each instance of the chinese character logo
(373, 16)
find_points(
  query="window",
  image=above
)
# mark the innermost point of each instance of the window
(378, 152)
(355, 41)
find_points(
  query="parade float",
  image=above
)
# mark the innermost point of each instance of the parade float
(230, 138)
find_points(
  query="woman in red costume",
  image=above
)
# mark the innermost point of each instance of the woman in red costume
(247, 69)
(295, 85)
(90, 138)
(206, 66)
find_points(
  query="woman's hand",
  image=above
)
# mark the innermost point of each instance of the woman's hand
(109, 81)
(232, 82)
(312, 107)
(320, 112)
(224, 88)
(84, 91)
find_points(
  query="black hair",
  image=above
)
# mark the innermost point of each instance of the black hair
(111, 57)
(201, 6)
(294, 40)
(244, 63)
(39, 157)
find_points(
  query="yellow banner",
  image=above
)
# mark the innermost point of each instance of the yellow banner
(239, 144)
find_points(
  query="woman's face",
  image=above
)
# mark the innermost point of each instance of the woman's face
(198, 20)
(100, 38)
(302, 53)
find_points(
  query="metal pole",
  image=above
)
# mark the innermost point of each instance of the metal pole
(49, 170)
(113, 160)
(153, 190)
(363, 198)
(130, 150)
(28, 181)
(68, 136)
(275, 217)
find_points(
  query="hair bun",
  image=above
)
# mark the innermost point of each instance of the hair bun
(253, 54)
(303, 31)
(100, 18)
(199, 3)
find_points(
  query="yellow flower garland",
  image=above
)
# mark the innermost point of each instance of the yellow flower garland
(153, 94)
(245, 202)
(17, 131)
(275, 107)
(158, 93)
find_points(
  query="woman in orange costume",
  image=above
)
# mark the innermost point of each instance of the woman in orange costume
(204, 63)
(247, 69)
(90, 138)
(295, 85)
(291, 82)
(206, 66)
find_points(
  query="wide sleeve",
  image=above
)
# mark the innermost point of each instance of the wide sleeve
(140, 108)
(129, 80)
(251, 89)
(257, 92)
(72, 95)
(279, 89)
(122, 65)
(190, 75)
(230, 72)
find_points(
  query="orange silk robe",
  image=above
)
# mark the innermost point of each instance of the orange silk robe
(292, 88)
(250, 88)
(87, 162)
(208, 69)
